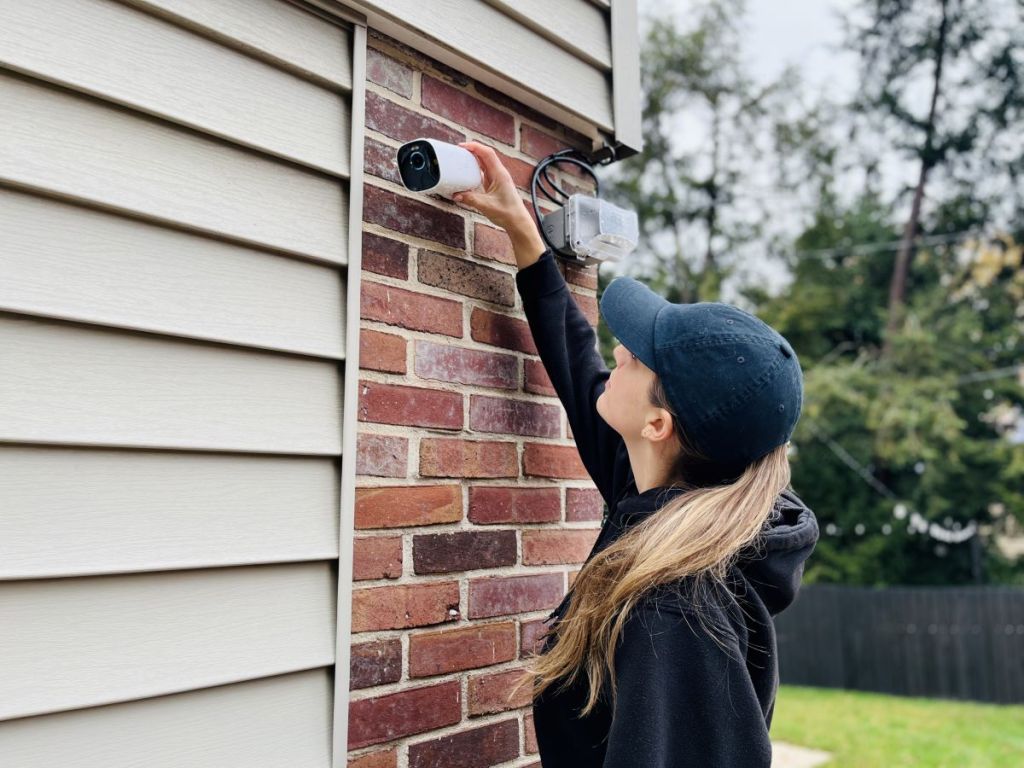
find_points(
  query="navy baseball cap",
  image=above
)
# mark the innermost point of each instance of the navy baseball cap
(734, 381)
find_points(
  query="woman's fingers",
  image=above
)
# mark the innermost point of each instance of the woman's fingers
(488, 159)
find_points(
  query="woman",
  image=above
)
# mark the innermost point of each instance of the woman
(664, 653)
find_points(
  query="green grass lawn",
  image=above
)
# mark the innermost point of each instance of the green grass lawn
(865, 730)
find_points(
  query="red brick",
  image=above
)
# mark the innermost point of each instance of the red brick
(492, 243)
(377, 557)
(437, 653)
(531, 734)
(462, 108)
(401, 124)
(517, 417)
(375, 663)
(463, 551)
(561, 461)
(385, 256)
(422, 61)
(386, 71)
(466, 278)
(379, 160)
(520, 170)
(386, 759)
(536, 378)
(384, 718)
(402, 506)
(538, 144)
(501, 595)
(587, 305)
(467, 458)
(501, 331)
(410, 309)
(409, 406)
(413, 217)
(476, 748)
(492, 504)
(515, 106)
(585, 277)
(572, 577)
(382, 455)
(496, 692)
(531, 634)
(381, 351)
(404, 605)
(445, 362)
(557, 547)
(583, 504)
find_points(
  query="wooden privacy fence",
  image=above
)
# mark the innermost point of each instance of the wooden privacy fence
(949, 642)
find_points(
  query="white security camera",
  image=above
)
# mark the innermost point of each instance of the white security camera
(428, 165)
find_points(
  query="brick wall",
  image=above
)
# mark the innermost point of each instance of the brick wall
(473, 510)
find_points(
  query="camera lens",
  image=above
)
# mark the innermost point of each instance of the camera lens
(417, 160)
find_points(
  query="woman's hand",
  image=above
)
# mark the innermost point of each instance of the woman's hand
(499, 201)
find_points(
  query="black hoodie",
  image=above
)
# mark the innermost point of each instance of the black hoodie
(681, 699)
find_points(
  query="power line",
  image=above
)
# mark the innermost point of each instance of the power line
(918, 522)
(865, 248)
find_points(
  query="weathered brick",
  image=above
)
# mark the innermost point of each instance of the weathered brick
(515, 106)
(388, 72)
(437, 653)
(379, 160)
(517, 417)
(377, 557)
(410, 309)
(501, 331)
(520, 170)
(384, 718)
(492, 243)
(587, 305)
(459, 106)
(467, 458)
(375, 663)
(557, 547)
(501, 595)
(492, 504)
(463, 551)
(446, 362)
(536, 379)
(413, 217)
(382, 455)
(476, 748)
(404, 605)
(409, 406)
(531, 634)
(545, 460)
(380, 351)
(386, 759)
(402, 506)
(531, 734)
(538, 144)
(421, 61)
(583, 504)
(572, 577)
(585, 277)
(496, 692)
(466, 278)
(385, 256)
(401, 124)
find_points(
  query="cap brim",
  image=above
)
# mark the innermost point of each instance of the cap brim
(629, 308)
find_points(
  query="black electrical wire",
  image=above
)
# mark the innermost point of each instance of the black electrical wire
(570, 156)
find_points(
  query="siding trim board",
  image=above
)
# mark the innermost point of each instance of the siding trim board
(350, 422)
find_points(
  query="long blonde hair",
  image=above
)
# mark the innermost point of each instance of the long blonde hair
(696, 536)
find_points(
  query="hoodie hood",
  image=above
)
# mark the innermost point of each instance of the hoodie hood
(774, 567)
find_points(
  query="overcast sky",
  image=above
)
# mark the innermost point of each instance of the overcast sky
(806, 33)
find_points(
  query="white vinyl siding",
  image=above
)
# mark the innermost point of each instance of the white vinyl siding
(175, 194)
